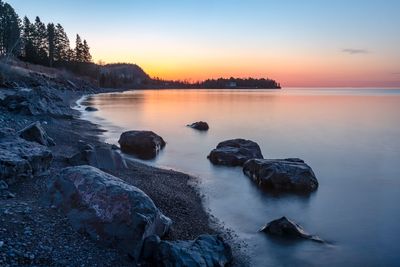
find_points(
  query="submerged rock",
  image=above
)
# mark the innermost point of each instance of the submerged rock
(281, 174)
(35, 133)
(107, 209)
(20, 159)
(235, 152)
(286, 228)
(143, 144)
(205, 250)
(91, 109)
(200, 125)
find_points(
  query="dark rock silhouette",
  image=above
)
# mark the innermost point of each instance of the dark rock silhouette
(281, 174)
(35, 133)
(206, 250)
(235, 152)
(284, 227)
(109, 210)
(91, 109)
(200, 125)
(143, 144)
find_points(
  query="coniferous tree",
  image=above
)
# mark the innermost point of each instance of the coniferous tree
(61, 45)
(78, 49)
(10, 30)
(70, 56)
(29, 52)
(51, 42)
(40, 41)
(87, 57)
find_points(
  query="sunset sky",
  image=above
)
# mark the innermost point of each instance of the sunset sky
(298, 43)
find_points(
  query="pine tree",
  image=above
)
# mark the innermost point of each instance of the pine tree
(40, 41)
(61, 43)
(87, 57)
(78, 49)
(70, 56)
(10, 30)
(51, 42)
(29, 52)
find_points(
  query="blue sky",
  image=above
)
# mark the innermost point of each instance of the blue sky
(297, 42)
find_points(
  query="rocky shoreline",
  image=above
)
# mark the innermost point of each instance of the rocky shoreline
(31, 233)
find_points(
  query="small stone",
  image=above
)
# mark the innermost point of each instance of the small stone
(1, 244)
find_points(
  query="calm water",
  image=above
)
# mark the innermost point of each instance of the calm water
(350, 137)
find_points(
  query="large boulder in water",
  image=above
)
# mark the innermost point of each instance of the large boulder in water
(107, 209)
(200, 125)
(235, 152)
(286, 228)
(35, 133)
(20, 159)
(205, 250)
(281, 174)
(143, 144)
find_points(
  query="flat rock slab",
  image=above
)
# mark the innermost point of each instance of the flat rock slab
(206, 250)
(21, 159)
(286, 228)
(281, 174)
(109, 210)
(235, 152)
(200, 125)
(143, 144)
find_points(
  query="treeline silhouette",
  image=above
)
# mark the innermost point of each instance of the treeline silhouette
(38, 43)
(220, 83)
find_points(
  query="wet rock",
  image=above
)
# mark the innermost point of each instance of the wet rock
(20, 159)
(200, 125)
(206, 250)
(35, 133)
(281, 174)
(284, 227)
(91, 109)
(143, 144)
(106, 208)
(103, 157)
(235, 152)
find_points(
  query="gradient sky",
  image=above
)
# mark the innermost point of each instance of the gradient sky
(298, 43)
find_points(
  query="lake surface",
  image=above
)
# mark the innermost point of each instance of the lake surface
(350, 137)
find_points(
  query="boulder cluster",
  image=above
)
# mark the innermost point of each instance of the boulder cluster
(104, 207)
(290, 175)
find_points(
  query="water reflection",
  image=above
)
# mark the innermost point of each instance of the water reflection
(348, 137)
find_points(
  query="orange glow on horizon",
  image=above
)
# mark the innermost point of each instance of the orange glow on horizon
(290, 71)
